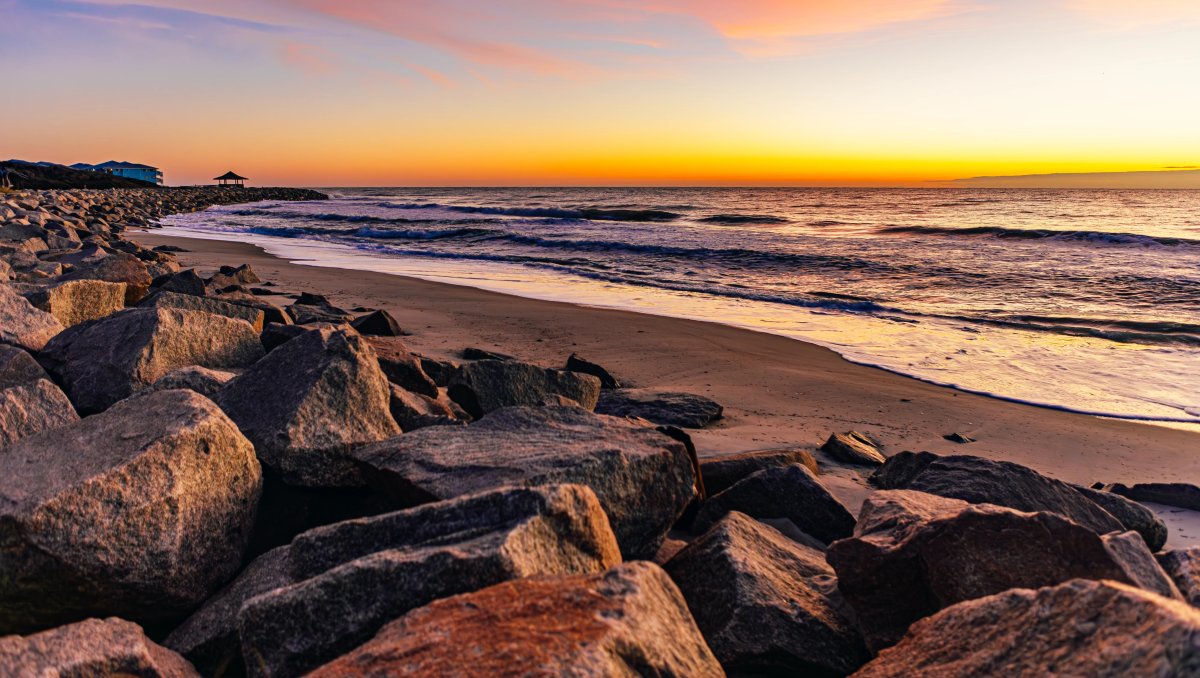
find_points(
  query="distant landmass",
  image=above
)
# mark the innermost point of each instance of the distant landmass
(1171, 177)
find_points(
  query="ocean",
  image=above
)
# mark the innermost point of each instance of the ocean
(1074, 299)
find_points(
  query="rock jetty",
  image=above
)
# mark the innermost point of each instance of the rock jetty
(196, 480)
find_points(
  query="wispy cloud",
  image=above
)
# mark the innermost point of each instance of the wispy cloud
(124, 21)
(308, 59)
(1127, 15)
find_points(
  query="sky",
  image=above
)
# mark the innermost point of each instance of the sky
(606, 92)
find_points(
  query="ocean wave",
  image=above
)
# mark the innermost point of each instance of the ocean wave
(1120, 331)
(1100, 237)
(372, 233)
(828, 222)
(736, 219)
(589, 213)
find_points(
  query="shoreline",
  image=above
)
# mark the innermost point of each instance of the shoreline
(777, 391)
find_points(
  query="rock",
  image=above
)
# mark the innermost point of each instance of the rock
(378, 323)
(983, 481)
(118, 267)
(309, 402)
(668, 409)
(1182, 495)
(103, 361)
(402, 367)
(765, 604)
(789, 492)
(229, 276)
(1183, 567)
(472, 353)
(914, 553)
(356, 576)
(276, 334)
(202, 380)
(643, 478)
(630, 621)
(440, 371)
(141, 511)
(1132, 515)
(413, 410)
(720, 473)
(319, 311)
(958, 438)
(209, 638)
(487, 385)
(23, 325)
(183, 282)
(109, 647)
(1129, 551)
(1079, 628)
(190, 302)
(32, 408)
(18, 368)
(853, 447)
(577, 364)
(6, 272)
(76, 301)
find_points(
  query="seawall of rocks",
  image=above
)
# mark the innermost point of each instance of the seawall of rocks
(208, 475)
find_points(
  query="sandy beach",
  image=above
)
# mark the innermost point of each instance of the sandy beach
(777, 392)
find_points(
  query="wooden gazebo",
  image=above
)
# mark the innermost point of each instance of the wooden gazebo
(231, 179)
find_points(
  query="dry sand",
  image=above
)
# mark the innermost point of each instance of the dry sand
(777, 392)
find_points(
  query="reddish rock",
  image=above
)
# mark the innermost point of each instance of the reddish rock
(401, 366)
(853, 447)
(118, 267)
(23, 325)
(1183, 567)
(109, 647)
(1079, 628)
(629, 621)
(32, 408)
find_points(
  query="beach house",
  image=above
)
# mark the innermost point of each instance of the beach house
(129, 170)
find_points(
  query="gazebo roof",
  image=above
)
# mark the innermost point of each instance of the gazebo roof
(229, 175)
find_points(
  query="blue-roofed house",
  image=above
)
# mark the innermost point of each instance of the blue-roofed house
(129, 170)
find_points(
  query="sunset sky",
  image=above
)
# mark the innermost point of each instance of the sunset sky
(625, 92)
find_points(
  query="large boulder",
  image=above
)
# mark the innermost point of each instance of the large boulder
(789, 492)
(413, 410)
(76, 301)
(1183, 495)
(192, 302)
(202, 380)
(402, 367)
(117, 267)
(354, 577)
(18, 368)
(32, 408)
(95, 647)
(685, 410)
(1183, 567)
(983, 481)
(23, 325)
(209, 638)
(914, 553)
(630, 621)
(644, 479)
(101, 362)
(378, 323)
(311, 401)
(487, 385)
(720, 473)
(853, 447)
(141, 511)
(1079, 628)
(231, 276)
(1132, 515)
(765, 604)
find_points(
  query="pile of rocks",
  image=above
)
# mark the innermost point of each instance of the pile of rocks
(196, 480)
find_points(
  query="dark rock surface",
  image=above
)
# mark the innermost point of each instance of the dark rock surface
(379, 324)
(1183, 567)
(354, 577)
(1079, 628)
(95, 647)
(309, 402)
(1183, 495)
(413, 410)
(141, 511)
(117, 267)
(765, 604)
(101, 362)
(488, 385)
(401, 366)
(914, 553)
(643, 478)
(685, 410)
(630, 621)
(202, 380)
(18, 368)
(1132, 515)
(983, 481)
(577, 364)
(209, 638)
(191, 302)
(853, 447)
(720, 473)
(789, 492)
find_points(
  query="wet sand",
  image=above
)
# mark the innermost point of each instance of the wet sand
(777, 392)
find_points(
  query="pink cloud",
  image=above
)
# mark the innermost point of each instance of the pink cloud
(309, 59)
